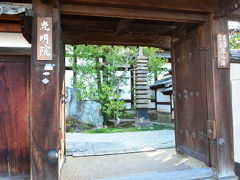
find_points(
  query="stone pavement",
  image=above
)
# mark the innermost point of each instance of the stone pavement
(80, 144)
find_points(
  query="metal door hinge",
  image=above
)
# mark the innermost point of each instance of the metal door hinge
(211, 129)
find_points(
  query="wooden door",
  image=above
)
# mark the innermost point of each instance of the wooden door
(14, 125)
(190, 97)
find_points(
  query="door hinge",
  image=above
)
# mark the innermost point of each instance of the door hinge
(211, 129)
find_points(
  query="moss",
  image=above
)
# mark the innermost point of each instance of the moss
(132, 129)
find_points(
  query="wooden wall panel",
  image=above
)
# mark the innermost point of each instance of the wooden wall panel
(14, 125)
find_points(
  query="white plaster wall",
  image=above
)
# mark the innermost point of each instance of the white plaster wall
(235, 80)
(164, 108)
(161, 97)
(151, 105)
(13, 40)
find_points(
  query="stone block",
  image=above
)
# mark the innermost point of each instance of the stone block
(141, 68)
(141, 83)
(142, 92)
(141, 72)
(142, 79)
(142, 101)
(142, 88)
(145, 96)
(141, 75)
(141, 106)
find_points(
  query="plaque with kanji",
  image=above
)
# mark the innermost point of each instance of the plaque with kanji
(223, 51)
(44, 38)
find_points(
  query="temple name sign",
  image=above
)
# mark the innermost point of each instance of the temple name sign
(223, 51)
(44, 38)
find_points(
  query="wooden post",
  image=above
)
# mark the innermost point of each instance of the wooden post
(218, 98)
(46, 97)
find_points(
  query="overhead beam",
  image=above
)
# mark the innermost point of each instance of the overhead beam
(88, 25)
(104, 11)
(10, 17)
(188, 5)
(123, 25)
(227, 7)
(108, 26)
(10, 27)
(46, 1)
(96, 38)
(150, 28)
(234, 17)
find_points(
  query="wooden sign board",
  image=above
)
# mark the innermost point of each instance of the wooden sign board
(44, 38)
(223, 51)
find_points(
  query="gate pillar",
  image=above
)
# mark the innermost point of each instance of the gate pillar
(45, 90)
(216, 47)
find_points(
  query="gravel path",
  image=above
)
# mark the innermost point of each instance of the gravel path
(80, 144)
(133, 164)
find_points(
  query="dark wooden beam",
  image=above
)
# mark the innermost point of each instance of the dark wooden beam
(183, 5)
(227, 7)
(234, 17)
(4, 51)
(113, 39)
(110, 26)
(123, 26)
(46, 1)
(70, 9)
(10, 17)
(26, 28)
(88, 25)
(10, 27)
(150, 28)
(180, 30)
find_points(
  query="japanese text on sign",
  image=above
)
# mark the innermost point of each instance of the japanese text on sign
(223, 51)
(44, 38)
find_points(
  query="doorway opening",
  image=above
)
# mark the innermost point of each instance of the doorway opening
(173, 40)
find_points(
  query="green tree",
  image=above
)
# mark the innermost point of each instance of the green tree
(234, 37)
(155, 61)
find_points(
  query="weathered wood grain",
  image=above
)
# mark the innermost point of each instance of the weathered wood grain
(106, 11)
(46, 100)
(14, 124)
(190, 97)
(191, 5)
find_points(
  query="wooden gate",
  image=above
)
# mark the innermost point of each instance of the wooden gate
(190, 97)
(14, 125)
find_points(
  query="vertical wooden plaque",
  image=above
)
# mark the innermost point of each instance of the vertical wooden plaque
(223, 51)
(44, 38)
